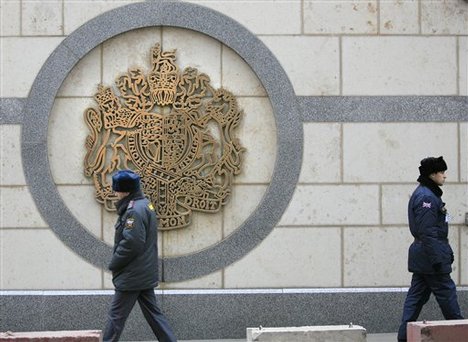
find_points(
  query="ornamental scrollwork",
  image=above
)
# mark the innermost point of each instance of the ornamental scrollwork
(175, 130)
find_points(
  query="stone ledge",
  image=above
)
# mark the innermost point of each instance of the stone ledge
(323, 333)
(438, 331)
(57, 336)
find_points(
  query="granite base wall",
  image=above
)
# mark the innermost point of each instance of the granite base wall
(210, 314)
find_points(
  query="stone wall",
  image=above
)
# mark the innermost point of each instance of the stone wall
(346, 223)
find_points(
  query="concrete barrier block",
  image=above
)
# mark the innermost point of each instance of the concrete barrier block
(325, 333)
(52, 336)
(438, 331)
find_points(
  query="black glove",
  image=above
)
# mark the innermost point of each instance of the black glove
(437, 267)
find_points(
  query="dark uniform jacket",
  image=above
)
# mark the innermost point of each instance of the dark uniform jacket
(430, 253)
(134, 263)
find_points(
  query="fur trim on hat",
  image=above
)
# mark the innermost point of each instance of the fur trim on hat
(432, 165)
(125, 181)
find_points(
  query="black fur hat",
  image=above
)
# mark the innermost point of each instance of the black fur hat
(432, 165)
(125, 181)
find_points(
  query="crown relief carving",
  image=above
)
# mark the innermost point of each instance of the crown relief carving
(175, 130)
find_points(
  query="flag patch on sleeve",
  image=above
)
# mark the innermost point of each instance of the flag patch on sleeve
(427, 205)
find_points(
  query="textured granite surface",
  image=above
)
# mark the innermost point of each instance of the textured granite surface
(337, 109)
(11, 110)
(216, 314)
(383, 108)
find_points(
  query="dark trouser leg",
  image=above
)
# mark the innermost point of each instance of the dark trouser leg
(445, 292)
(121, 306)
(155, 318)
(417, 296)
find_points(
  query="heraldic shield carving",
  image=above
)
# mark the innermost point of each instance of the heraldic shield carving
(172, 128)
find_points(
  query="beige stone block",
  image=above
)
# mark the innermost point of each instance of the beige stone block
(109, 219)
(354, 333)
(243, 202)
(376, 256)
(455, 242)
(312, 63)
(311, 256)
(337, 17)
(204, 231)
(195, 50)
(260, 17)
(257, 134)
(399, 65)
(333, 205)
(444, 17)
(18, 209)
(38, 260)
(399, 17)
(18, 69)
(238, 77)
(456, 197)
(42, 17)
(10, 13)
(84, 78)
(391, 152)
(80, 200)
(322, 153)
(128, 50)
(395, 203)
(11, 172)
(108, 285)
(463, 65)
(77, 13)
(66, 140)
(464, 151)
(463, 255)
(210, 281)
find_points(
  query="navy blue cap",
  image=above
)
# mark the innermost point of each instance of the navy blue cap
(125, 181)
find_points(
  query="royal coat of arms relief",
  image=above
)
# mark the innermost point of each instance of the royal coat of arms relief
(175, 130)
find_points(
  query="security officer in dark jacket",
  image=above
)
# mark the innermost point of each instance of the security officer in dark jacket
(134, 263)
(430, 255)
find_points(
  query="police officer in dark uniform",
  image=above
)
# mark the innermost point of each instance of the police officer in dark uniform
(430, 255)
(134, 263)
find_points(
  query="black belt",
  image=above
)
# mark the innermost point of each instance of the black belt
(442, 240)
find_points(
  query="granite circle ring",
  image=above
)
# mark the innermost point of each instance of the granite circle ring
(183, 15)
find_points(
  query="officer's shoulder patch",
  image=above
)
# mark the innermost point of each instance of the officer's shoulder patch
(129, 223)
(427, 205)
(150, 206)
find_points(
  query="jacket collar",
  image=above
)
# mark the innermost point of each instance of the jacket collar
(122, 204)
(429, 183)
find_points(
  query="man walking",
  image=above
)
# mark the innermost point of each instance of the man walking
(430, 255)
(134, 263)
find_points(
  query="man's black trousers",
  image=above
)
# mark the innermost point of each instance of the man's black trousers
(122, 305)
(422, 285)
